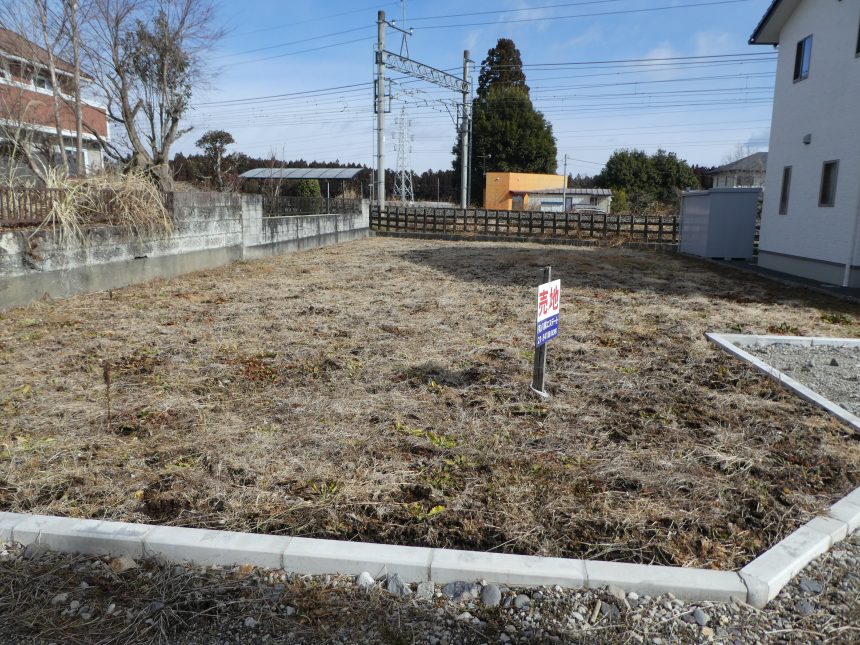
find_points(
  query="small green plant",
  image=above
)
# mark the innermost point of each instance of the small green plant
(324, 489)
(784, 329)
(417, 511)
(837, 318)
(438, 440)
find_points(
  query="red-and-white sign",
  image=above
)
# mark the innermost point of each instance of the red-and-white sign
(548, 308)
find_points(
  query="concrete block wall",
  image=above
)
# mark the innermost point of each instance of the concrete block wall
(274, 235)
(210, 230)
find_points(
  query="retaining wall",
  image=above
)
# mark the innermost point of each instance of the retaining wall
(210, 230)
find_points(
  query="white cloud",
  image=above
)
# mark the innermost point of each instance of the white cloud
(664, 70)
(709, 43)
(591, 35)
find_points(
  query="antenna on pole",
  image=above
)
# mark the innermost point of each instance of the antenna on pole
(404, 44)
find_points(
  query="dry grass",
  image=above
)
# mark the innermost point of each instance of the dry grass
(342, 393)
(130, 202)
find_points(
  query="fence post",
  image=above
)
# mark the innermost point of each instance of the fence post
(646, 228)
(660, 230)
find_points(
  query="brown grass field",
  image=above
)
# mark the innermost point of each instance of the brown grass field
(379, 391)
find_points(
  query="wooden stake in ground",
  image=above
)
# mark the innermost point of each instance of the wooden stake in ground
(106, 378)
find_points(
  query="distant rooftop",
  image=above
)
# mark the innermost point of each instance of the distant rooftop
(602, 192)
(14, 44)
(754, 163)
(302, 173)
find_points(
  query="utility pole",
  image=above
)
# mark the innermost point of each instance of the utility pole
(564, 193)
(380, 110)
(464, 136)
(484, 158)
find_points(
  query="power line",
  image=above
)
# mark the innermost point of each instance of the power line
(318, 18)
(301, 51)
(589, 15)
(286, 94)
(498, 11)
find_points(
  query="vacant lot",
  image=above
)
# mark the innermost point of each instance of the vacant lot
(379, 391)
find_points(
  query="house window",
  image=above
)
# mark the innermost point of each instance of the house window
(784, 191)
(858, 41)
(829, 175)
(42, 82)
(802, 58)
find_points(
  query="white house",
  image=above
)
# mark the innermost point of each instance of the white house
(549, 200)
(811, 213)
(748, 172)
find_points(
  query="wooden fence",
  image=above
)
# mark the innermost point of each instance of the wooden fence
(277, 206)
(27, 207)
(655, 229)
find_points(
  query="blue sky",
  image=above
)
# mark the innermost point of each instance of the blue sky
(691, 83)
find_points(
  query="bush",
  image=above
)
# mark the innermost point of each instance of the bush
(307, 188)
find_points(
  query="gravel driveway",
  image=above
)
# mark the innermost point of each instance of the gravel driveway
(833, 372)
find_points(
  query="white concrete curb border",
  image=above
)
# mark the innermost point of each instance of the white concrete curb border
(756, 584)
(733, 344)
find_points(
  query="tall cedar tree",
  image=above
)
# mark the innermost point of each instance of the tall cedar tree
(508, 134)
(503, 66)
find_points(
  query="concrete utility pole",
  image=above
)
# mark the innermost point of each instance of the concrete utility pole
(464, 136)
(564, 192)
(380, 110)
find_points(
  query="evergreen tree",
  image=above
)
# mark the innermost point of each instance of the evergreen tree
(214, 145)
(508, 134)
(645, 179)
(503, 66)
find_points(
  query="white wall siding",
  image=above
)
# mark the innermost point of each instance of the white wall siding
(826, 106)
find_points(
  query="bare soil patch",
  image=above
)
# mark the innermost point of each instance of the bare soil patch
(345, 393)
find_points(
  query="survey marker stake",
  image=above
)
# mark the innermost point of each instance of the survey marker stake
(546, 326)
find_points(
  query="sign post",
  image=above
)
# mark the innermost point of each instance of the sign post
(546, 328)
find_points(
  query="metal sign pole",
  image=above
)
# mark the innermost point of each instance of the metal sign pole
(539, 372)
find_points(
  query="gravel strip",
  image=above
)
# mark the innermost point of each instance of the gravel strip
(833, 372)
(51, 597)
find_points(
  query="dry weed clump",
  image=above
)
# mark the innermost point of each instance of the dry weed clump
(130, 202)
(379, 391)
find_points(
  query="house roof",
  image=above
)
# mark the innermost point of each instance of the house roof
(756, 162)
(15, 44)
(302, 173)
(601, 192)
(767, 31)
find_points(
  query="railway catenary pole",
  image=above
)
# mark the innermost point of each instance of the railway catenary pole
(380, 110)
(464, 136)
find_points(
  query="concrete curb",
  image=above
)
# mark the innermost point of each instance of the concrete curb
(733, 343)
(756, 584)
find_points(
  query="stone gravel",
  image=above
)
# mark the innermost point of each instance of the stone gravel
(50, 597)
(833, 372)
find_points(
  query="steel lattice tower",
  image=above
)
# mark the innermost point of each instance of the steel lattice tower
(403, 177)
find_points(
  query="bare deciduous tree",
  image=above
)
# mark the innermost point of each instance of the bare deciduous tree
(147, 56)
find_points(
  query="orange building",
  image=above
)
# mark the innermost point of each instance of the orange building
(507, 191)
